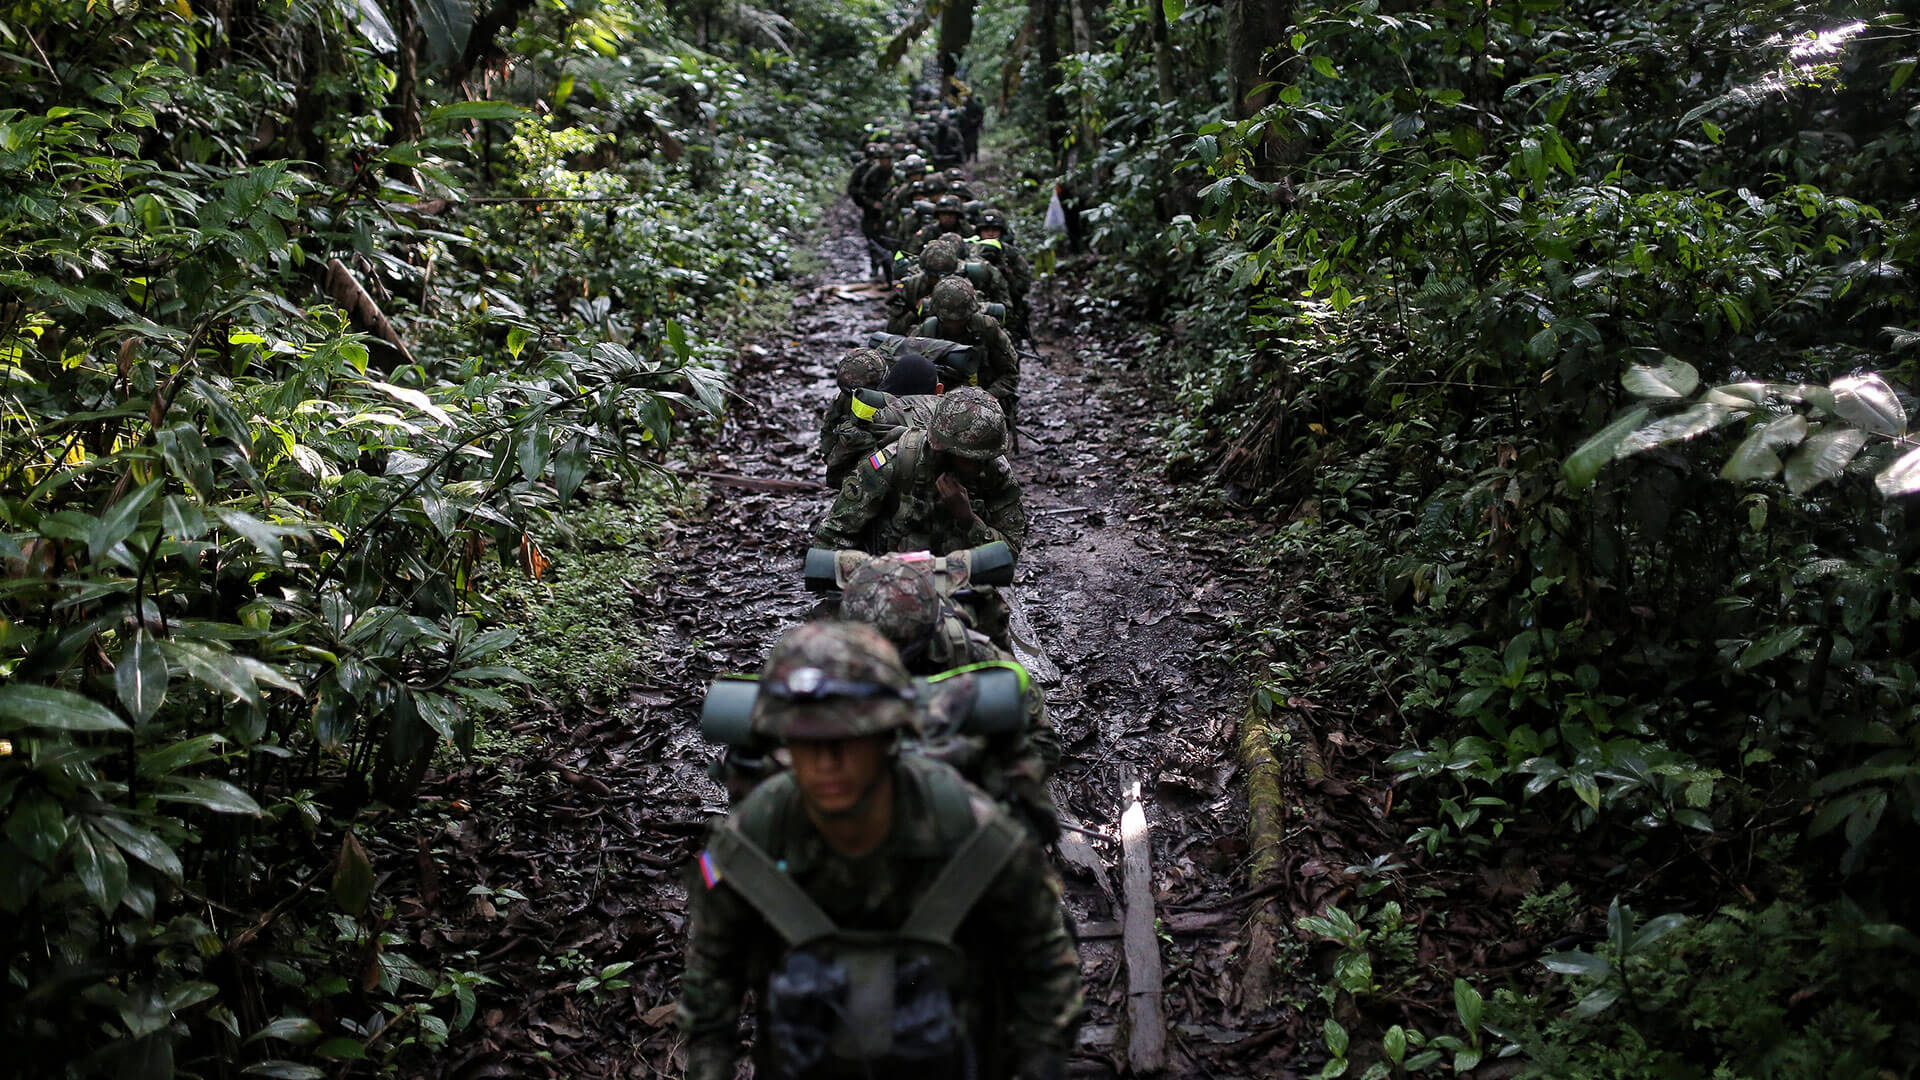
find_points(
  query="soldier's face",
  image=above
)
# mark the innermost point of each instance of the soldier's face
(989, 232)
(964, 469)
(834, 774)
(948, 218)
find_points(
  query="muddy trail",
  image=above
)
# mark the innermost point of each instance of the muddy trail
(571, 862)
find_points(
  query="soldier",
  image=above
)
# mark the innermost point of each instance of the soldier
(910, 171)
(888, 917)
(993, 246)
(957, 183)
(942, 258)
(941, 489)
(859, 369)
(868, 188)
(877, 418)
(948, 213)
(956, 316)
(901, 600)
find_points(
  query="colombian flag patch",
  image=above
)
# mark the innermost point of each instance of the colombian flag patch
(877, 458)
(709, 873)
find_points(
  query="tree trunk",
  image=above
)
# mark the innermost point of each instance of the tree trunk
(1086, 139)
(406, 76)
(1046, 31)
(956, 30)
(1162, 51)
(1256, 32)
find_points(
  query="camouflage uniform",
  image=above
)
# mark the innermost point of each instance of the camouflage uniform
(903, 603)
(1007, 259)
(999, 364)
(907, 302)
(859, 369)
(890, 503)
(1019, 985)
(885, 419)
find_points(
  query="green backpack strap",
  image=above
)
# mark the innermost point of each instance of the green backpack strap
(755, 876)
(962, 882)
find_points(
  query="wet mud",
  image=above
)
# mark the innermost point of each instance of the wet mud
(1131, 600)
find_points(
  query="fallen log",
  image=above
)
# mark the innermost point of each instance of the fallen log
(1146, 1022)
(1266, 823)
(353, 298)
(760, 483)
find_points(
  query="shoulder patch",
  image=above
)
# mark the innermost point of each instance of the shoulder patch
(877, 458)
(709, 870)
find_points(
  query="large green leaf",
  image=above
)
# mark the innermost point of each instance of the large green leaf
(215, 668)
(476, 110)
(101, 870)
(448, 24)
(37, 825)
(140, 678)
(1693, 422)
(1902, 477)
(1674, 378)
(352, 876)
(1586, 462)
(27, 705)
(1773, 645)
(1822, 457)
(121, 518)
(1867, 401)
(140, 844)
(217, 795)
(1756, 457)
(366, 17)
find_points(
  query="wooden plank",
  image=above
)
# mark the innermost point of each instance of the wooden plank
(1146, 1023)
(1075, 849)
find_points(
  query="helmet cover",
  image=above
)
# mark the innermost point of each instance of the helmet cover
(954, 300)
(894, 597)
(862, 369)
(968, 423)
(939, 258)
(832, 680)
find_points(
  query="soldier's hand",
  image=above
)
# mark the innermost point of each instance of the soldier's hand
(954, 499)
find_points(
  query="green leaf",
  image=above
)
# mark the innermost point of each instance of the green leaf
(298, 1030)
(38, 826)
(1173, 9)
(1825, 455)
(140, 678)
(1575, 962)
(1656, 928)
(101, 870)
(182, 518)
(1902, 477)
(1755, 458)
(1773, 645)
(217, 669)
(283, 1070)
(1469, 1004)
(1336, 1037)
(217, 795)
(1325, 67)
(140, 844)
(1395, 1044)
(352, 877)
(261, 535)
(1867, 401)
(1696, 421)
(120, 519)
(1673, 379)
(1585, 463)
(27, 705)
(341, 1049)
(570, 469)
(476, 110)
(169, 759)
(1597, 1002)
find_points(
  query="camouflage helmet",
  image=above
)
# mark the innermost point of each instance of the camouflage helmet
(954, 300)
(959, 242)
(967, 423)
(993, 218)
(862, 369)
(832, 680)
(894, 597)
(956, 173)
(939, 258)
(949, 204)
(914, 163)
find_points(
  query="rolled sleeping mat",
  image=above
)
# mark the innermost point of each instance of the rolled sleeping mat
(726, 716)
(990, 564)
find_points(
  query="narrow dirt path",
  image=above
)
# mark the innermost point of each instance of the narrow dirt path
(1128, 599)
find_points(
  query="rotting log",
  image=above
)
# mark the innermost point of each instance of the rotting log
(1266, 832)
(1146, 1022)
(345, 290)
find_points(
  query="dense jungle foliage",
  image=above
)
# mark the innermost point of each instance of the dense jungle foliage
(314, 317)
(1581, 336)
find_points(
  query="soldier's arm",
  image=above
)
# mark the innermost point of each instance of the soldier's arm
(715, 978)
(861, 497)
(1006, 363)
(1041, 967)
(1002, 515)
